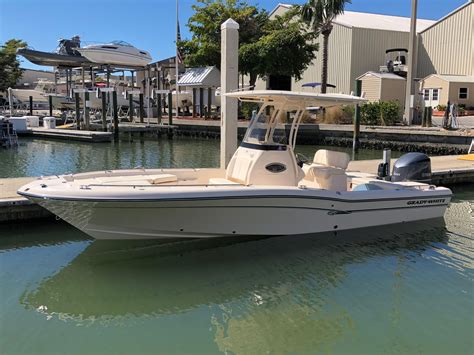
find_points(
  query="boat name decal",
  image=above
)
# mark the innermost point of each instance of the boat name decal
(426, 202)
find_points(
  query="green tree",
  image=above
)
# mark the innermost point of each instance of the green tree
(319, 15)
(204, 48)
(10, 71)
(284, 48)
(279, 46)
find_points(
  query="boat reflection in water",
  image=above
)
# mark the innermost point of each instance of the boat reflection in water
(111, 280)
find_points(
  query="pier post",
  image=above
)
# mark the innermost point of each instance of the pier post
(31, 105)
(78, 111)
(355, 140)
(229, 82)
(141, 109)
(116, 120)
(103, 96)
(130, 105)
(50, 101)
(194, 102)
(86, 110)
(170, 108)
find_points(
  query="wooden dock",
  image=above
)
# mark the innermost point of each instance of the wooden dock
(446, 170)
(70, 134)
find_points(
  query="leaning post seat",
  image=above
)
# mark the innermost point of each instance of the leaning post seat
(328, 170)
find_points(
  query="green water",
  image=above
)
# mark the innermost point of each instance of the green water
(36, 157)
(406, 289)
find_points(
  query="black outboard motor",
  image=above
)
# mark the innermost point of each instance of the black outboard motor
(412, 167)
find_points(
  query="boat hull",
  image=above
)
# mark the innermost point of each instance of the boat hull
(104, 56)
(243, 215)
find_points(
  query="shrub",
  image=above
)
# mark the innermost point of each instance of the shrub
(339, 115)
(382, 113)
(441, 107)
(247, 108)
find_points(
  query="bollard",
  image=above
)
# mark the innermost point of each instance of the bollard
(50, 99)
(140, 109)
(130, 107)
(116, 120)
(31, 105)
(170, 109)
(104, 111)
(78, 111)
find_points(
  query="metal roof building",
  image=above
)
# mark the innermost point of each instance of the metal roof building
(447, 46)
(357, 45)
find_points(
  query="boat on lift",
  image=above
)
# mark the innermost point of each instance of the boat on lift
(266, 189)
(64, 56)
(116, 53)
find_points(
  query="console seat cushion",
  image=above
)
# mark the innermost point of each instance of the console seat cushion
(331, 158)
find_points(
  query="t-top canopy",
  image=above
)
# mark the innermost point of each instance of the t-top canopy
(296, 99)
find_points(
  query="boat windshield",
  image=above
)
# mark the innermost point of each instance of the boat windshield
(263, 127)
(121, 43)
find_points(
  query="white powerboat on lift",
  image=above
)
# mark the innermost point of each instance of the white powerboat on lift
(117, 53)
(266, 189)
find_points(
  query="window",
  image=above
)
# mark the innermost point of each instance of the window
(435, 94)
(426, 95)
(463, 93)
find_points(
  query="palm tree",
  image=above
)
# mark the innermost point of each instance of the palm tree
(319, 14)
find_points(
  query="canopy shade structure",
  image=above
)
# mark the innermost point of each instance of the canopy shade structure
(296, 99)
(313, 85)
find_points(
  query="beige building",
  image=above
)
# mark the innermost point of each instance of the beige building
(357, 50)
(438, 89)
(383, 87)
(357, 45)
(447, 46)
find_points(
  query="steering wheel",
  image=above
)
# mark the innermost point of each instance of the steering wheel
(301, 159)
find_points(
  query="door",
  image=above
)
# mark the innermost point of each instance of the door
(431, 97)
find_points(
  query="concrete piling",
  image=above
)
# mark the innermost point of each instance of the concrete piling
(229, 82)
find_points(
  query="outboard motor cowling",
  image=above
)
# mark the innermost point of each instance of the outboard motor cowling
(412, 167)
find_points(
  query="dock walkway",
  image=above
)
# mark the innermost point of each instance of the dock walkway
(446, 170)
(70, 134)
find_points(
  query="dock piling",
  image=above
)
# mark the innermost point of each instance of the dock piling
(86, 110)
(78, 111)
(194, 102)
(31, 105)
(50, 101)
(170, 108)
(116, 120)
(356, 140)
(104, 111)
(130, 106)
(159, 108)
(141, 109)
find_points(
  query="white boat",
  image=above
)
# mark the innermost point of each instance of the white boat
(266, 189)
(117, 53)
(43, 89)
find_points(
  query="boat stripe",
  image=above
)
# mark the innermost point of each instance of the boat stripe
(85, 199)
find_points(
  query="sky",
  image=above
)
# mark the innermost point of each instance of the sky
(147, 24)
